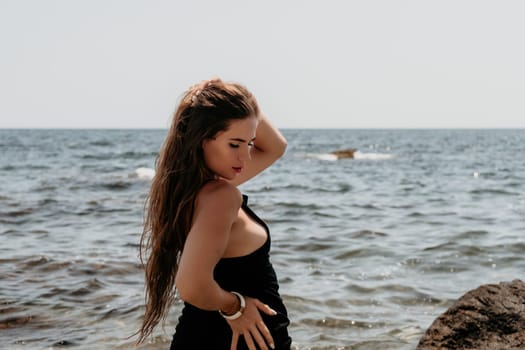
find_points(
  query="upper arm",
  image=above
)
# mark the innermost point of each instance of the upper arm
(216, 208)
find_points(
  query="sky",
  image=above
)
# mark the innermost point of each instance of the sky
(311, 64)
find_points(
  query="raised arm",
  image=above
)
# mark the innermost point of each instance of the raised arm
(269, 146)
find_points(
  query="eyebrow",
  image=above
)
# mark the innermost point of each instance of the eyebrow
(240, 140)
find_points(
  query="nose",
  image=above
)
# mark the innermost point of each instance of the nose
(245, 154)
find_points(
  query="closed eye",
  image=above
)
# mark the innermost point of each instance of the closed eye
(238, 141)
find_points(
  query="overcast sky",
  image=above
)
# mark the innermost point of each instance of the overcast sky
(353, 64)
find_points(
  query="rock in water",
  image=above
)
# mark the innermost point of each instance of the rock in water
(491, 317)
(344, 153)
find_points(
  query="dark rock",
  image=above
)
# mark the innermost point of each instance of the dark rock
(344, 153)
(491, 317)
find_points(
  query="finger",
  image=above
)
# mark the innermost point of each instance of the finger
(249, 341)
(235, 339)
(266, 333)
(259, 339)
(265, 308)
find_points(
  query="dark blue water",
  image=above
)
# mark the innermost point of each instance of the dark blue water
(368, 250)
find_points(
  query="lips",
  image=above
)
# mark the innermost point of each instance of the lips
(237, 169)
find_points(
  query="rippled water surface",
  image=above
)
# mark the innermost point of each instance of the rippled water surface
(368, 250)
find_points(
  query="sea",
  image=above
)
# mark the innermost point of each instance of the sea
(368, 250)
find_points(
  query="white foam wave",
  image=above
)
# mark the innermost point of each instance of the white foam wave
(144, 173)
(373, 156)
(357, 155)
(322, 156)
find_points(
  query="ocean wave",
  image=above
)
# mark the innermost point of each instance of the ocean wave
(99, 156)
(122, 155)
(11, 167)
(143, 173)
(103, 143)
(357, 156)
(493, 191)
(116, 185)
(322, 156)
(368, 234)
(137, 155)
(373, 156)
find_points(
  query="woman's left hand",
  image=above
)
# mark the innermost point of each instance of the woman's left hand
(252, 327)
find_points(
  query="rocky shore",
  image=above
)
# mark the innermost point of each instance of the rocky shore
(490, 317)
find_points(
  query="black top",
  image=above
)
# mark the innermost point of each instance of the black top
(251, 275)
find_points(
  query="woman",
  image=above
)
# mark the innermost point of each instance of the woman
(199, 232)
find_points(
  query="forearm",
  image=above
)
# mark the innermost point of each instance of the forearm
(208, 295)
(269, 139)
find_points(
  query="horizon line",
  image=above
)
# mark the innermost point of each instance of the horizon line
(281, 128)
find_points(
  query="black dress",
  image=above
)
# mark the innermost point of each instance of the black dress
(251, 275)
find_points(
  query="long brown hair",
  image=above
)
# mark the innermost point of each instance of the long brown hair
(205, 110)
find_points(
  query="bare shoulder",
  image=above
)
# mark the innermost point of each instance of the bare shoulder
(219, 196)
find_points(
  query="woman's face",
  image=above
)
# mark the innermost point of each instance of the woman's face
(227, 153)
